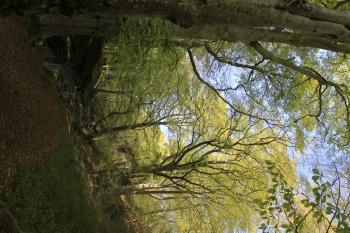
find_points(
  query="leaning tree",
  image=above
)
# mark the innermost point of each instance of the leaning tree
(293, 22)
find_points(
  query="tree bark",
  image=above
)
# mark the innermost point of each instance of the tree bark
(110, 92)
(163, 211)
(125, 127)
(132, 190)
(301, 24)
(312, 34)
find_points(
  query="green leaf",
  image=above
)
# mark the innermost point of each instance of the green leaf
(330, 205)
(300, 140)
(268, 162)
(345, 230)
(307, 204)
(329, 210)
(315, 191)
(304, 201)
(271, 190)
(343, 223)
(316, 171)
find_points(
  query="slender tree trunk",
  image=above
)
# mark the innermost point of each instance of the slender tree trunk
(124, 128)
(164, 211)
(111, 92)
(175, 169)
(140, 190)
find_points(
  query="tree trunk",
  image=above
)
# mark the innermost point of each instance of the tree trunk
(124, 128)
(164, 211)
(133, 190)
(234, 21)
(110, 92)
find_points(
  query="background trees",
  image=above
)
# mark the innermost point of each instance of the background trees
(201, 153)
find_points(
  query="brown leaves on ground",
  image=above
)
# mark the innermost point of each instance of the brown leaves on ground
(31, 117)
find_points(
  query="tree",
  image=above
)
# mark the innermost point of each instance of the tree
(278, 86)
(265, 72)
(217, 162)
(282, 21)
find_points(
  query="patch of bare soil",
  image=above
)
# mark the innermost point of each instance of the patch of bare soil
(31, 116)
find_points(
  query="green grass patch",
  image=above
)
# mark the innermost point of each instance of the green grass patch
(53, 198)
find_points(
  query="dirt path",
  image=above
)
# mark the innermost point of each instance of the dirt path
(31, 116)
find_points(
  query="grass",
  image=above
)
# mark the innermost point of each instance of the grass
(53, 198)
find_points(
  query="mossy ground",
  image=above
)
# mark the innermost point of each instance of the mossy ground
(41, 176)
(53, 198)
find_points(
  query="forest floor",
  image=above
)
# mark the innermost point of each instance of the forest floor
(43, 166)
(32, 119)
(40, 170)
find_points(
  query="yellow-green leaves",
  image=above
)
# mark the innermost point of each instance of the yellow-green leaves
(300, 140)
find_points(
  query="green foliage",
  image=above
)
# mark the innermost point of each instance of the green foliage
(285, 208)
(139, 63)
(300, 140)
(216, 146)
(158, 84)
(53, 198)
